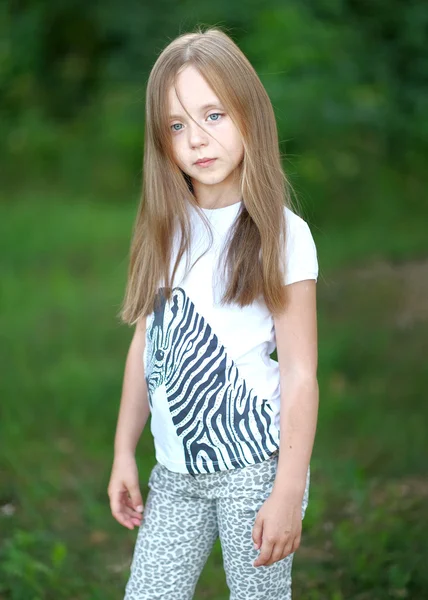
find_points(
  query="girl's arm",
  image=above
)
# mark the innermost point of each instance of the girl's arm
(296, 341)
(278, 526)
(134, 407)
(124, 491)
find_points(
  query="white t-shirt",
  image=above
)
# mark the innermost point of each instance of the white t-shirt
(213, 389)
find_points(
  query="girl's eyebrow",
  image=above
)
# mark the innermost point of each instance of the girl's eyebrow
(202, 109)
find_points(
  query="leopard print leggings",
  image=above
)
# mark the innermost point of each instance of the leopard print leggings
(183, 517)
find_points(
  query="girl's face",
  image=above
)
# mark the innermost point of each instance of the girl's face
(191, 140)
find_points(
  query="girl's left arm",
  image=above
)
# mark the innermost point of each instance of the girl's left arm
(278, 525)
(297, 351)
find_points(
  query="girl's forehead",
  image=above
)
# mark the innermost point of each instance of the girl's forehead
(192, 90)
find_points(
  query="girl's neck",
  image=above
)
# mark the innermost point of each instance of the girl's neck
(218, 195)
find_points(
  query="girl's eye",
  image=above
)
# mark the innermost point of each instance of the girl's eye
(177, 126)
(215, 115)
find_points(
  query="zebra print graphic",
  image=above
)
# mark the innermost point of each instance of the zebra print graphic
(221, 421)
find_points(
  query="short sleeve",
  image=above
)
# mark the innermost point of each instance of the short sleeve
(301, 258)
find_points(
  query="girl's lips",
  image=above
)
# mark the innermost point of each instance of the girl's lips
(205, 163)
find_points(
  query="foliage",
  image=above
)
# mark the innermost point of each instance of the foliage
(348, 81)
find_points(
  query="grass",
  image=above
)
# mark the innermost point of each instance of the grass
(63, 274)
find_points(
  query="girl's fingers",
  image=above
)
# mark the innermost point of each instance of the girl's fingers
(123, 510)
(132, 514)
(121, 513)
(129, 512)
(129, 503)
(123, 520)
(127, 521)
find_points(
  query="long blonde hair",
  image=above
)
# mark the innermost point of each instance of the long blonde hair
(254, 256)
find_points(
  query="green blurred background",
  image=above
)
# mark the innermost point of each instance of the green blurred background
(348, 81)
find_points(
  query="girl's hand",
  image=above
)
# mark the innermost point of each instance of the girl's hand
(277, 528)
(124, 492)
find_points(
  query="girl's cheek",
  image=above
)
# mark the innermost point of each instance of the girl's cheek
(177, 156)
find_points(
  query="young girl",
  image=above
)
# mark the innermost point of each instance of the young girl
(222, 271)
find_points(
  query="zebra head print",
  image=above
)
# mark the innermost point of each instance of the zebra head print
(218, 417)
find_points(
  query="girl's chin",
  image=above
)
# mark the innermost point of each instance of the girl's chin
(208, 180)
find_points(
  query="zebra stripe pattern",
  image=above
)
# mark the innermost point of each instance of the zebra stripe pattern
(220, 420)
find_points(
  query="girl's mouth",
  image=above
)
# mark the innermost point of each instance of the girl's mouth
(205, 163)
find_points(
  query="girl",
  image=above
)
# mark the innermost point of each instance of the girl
(221, 272)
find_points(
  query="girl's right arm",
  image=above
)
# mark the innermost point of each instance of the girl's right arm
(124, 491)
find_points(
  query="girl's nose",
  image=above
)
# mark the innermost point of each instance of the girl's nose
(197, 135)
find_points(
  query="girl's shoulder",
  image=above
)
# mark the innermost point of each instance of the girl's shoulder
(293, 219)
(297, 227)
(300, 249)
